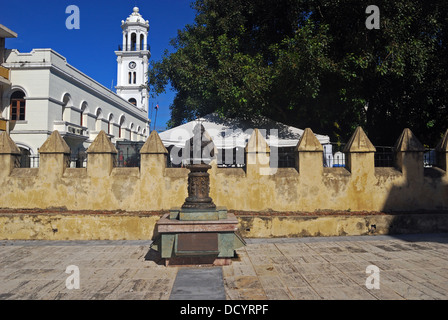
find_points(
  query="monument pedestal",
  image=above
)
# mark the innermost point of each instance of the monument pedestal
(198, 232)
(196, 241)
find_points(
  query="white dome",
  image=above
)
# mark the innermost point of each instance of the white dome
(136, 17)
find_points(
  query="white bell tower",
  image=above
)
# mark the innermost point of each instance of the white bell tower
(132, 59)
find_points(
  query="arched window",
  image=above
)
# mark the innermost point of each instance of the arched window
(109, 126)
(99, 113)
(142, 41)
(133, 101)
(130, 78)
(99, 116)
(121, 123)
(135, 77)
(17, 104)
(25, 158)
(133, 42)
(66, 107)
(81, 116)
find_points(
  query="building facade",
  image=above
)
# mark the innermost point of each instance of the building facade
(5, 83)
(46, 93)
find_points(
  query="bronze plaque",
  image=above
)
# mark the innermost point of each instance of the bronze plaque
(197, 242)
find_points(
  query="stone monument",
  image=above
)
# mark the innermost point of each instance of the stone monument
(198, 232)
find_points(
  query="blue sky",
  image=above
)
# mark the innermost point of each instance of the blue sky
(41, 24)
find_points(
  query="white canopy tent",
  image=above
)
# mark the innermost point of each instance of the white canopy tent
(234, 133)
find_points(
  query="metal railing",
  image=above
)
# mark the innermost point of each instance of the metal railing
(133, 47)
(337, 159)
(384, 156)
(128, 153)
(78, 160)
(29, 161)
(32, 161)
(129, 156)
(429, 158)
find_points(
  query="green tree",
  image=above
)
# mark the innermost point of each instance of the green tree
(313, 64)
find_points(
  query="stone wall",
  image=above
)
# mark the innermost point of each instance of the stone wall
(258, 188)
(79, 225)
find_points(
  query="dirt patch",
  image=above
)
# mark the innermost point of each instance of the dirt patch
(64, 211)
(329, 213)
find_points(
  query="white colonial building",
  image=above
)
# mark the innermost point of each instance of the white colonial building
(47, 94)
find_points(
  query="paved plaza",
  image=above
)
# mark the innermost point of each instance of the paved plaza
(407, 267)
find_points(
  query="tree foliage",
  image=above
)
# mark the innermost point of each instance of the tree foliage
(310, 63)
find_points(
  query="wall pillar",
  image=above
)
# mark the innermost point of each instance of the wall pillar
(152, 170)
(309, 156)
(360, 161)
(153, 156)
(102, 156)
(9, 155)
(409, 156)
(360, 154)
(442, 152)
(257, 155)
(54, 156)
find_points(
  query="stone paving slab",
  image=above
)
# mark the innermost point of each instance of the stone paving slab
(410, 267)
(198, 284)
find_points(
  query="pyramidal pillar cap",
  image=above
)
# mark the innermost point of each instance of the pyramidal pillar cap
(442, 146)
(153, 145)
(359, 142)
(102, 144)
(308, 142)
(7, 145)
(257, 143)
(55, 144)
(408, 142)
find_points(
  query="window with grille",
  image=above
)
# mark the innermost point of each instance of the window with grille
(18, 106)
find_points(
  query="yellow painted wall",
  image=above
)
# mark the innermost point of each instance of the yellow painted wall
(153, 187)
(142, 226)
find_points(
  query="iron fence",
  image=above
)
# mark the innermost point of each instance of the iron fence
(234, 158)
(78, 160)
(429, 158)
(129, 156)
(29, 161)
(286, 157)
(337, 156)
(32, 161)
(384, 156)
(128, 153)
